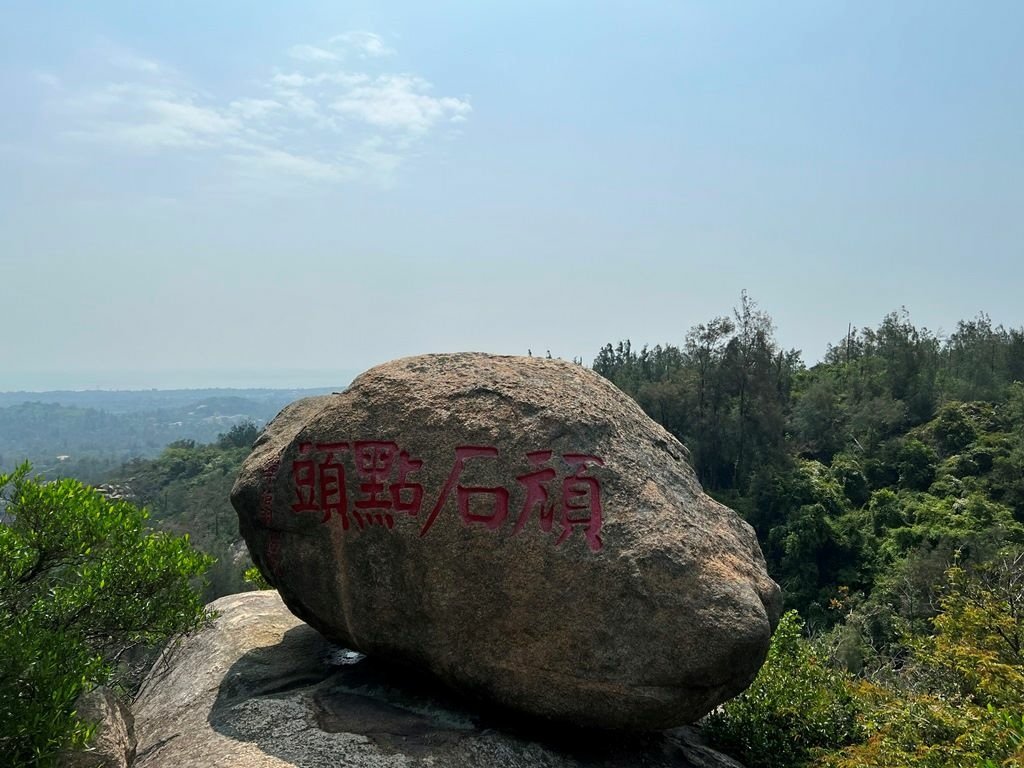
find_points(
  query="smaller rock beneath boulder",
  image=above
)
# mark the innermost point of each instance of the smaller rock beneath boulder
(260, 689)
(115, 743)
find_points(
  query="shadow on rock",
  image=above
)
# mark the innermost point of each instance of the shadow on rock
(310, 703)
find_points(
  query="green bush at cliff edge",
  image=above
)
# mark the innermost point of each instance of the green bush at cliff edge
(82, 581)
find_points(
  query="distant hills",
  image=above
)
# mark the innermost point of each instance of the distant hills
(135, 400)
(86, 433)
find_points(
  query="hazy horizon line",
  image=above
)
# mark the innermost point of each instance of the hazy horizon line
(143, 381)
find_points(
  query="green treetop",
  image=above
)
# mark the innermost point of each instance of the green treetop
(82, 580)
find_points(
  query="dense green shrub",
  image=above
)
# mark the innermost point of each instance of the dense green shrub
(187, 490)
(797, 707)
(81, 581)
(956, 701)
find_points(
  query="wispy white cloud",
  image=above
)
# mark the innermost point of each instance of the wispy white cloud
(311, 53)
(254, 109)
(347, 46)
(263, 162)
(399, 102)
(338, 118)
(147, 117)
(291, 80)
(377, 154)
(364, 44)
(189, 118)
(127, 60)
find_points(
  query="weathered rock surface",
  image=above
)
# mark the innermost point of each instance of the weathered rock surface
(519, 528)
(114, 744)
(259, 689)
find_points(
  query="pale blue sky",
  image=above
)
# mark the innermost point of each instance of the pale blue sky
(254, 193)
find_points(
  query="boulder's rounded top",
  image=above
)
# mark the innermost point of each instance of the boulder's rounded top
(513, 393)
(476, 368)
(479, 359)
(546, 380)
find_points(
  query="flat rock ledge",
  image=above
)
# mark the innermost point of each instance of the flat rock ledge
(258, 688)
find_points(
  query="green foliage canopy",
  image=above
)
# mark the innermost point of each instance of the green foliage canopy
(187, 489)
(956, 699)
(81, 581)
(797, 708)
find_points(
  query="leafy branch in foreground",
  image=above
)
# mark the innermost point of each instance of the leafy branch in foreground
(82, 581)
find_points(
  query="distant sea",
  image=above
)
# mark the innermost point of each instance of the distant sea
(175, 379)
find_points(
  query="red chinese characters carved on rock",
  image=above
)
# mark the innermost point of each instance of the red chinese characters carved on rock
(383, 489)
(319, 479)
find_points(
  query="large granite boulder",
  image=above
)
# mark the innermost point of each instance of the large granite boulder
(520, 528)
(260, 689)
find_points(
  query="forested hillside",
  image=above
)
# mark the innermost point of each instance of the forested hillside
(186, 490)
(898, 444)
(88, 434)
(886, 485)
